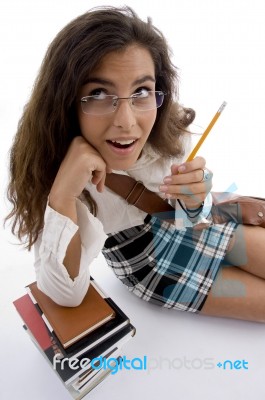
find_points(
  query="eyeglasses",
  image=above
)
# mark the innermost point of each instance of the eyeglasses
(102, 103)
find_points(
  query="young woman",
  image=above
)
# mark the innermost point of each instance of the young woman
(105, 101)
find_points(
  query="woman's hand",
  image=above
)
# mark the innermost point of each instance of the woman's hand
(186, 183)
(82, 163)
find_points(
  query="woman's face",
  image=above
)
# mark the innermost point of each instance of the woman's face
(119, 136)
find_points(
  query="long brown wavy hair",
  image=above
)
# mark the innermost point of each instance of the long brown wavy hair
(49, 121)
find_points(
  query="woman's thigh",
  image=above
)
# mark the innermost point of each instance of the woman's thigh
(236, 294)
(247, 250)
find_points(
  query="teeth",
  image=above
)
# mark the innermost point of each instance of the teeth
(123, 142)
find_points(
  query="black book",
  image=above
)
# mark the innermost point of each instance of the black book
(106, 349)
(81, 380)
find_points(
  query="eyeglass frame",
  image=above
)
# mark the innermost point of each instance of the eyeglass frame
(116, 98)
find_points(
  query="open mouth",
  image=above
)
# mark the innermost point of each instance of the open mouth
(122, 144)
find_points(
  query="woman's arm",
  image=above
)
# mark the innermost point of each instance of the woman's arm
(73, 251)
(69, 232)
(81, 164)
(50, 250)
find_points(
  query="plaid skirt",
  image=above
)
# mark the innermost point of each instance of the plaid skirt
(169, 267)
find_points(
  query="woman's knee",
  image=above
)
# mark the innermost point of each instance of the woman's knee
(237, 250)
(236, 294)
(246, 248)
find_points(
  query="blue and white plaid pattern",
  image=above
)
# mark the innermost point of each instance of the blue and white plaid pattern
(169, 267)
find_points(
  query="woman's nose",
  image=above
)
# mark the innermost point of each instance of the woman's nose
(124, 116)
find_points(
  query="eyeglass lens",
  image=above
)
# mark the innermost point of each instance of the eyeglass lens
(139, 102)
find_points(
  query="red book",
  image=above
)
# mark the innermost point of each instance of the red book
(33, 320)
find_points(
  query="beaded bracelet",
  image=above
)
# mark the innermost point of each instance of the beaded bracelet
(187, 211)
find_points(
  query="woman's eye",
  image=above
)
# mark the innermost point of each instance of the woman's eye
(99, 94)
(142, 92)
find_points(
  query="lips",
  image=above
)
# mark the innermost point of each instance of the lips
(122, 146)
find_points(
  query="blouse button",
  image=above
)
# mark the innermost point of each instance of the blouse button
(260, 214)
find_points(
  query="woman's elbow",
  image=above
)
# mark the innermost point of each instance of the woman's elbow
(66, 297)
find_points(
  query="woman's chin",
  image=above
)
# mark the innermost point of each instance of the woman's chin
(121, 165)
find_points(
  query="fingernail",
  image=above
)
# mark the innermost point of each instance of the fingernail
(163, 188)
(182, 168)
(174, 168)
(167, 179)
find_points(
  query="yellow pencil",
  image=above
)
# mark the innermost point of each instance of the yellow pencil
(207, 130)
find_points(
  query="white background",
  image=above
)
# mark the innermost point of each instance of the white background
(219, 49)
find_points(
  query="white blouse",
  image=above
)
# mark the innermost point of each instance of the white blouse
(114, 214)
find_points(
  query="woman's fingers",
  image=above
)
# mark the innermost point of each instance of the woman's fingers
(194, 193)
(195, 176)
(82, 163)
(196, 163)
(98, 179)
(187, 182)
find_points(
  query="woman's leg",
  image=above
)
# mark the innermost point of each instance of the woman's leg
(247, 250)
(239, 288)
(236, 294)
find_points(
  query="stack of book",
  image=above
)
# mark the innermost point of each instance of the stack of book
(82, 344)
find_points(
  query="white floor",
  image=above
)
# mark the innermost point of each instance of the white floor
(182, 350)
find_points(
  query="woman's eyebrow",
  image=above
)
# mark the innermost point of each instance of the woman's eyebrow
(102, 81)
(143, 79)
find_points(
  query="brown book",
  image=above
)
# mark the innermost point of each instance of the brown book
(72, 323)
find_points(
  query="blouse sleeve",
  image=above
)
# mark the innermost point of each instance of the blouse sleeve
(50, 249)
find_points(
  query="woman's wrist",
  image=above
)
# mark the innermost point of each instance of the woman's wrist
(194, 208)
(64, 205)
(191, 212)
